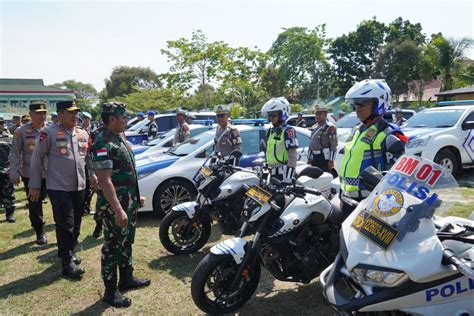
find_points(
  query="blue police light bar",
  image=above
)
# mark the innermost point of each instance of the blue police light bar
(463, 102)
(255, 122)
(204, 122)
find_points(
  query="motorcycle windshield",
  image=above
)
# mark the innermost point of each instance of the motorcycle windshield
(401, 207)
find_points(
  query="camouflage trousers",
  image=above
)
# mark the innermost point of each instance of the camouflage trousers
(117, 248)
(7, 191)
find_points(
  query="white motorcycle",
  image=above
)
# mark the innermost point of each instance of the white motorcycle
(396, 256)
(295, 236)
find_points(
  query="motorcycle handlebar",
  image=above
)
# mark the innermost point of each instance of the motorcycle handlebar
(463, 267)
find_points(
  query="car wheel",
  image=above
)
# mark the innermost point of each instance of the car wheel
(172, 193)
(447, 159)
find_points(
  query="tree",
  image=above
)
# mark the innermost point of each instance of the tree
(400, 31)
(85, 93)
(451, 53)
(299, 55)
(154, 99)
(398, 65)
(125, 80)
(195, 62)
(272, 82)
(354, 55)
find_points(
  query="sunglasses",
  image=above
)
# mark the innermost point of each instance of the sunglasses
(272, 115)
(221, 115)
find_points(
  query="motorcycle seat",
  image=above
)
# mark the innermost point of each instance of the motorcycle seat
(310, 171)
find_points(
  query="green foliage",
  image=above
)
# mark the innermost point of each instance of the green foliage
(155, 99)
(237, 111)
(354, 54)
(296, 108)
(345, 107)
(398, 63)
(299, 55)
(85, 93)
(401, 31)
(125, 80)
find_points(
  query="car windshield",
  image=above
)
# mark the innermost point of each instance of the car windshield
(162, 138)
(137, 127)
(348, 121)
(191, 144)
(434, 118)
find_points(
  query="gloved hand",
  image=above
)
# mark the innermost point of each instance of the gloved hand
(288, 173)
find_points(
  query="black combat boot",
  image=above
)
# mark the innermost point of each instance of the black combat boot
(10, 217)
(112, 295)
(76, 259)
(97, 230)
(41, 237)
(71, 270)
(129, 282)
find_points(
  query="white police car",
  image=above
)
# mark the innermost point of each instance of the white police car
(166, 179)
(444, 135)
(165, 141)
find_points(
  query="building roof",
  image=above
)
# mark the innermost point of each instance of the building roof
(13, 86)
(430, 91)
(464, 90)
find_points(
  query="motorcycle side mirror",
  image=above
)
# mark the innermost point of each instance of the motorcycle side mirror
(370, 177)
(394, 146)
(258, 162)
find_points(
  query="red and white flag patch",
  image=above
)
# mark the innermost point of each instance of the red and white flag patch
(101, 152)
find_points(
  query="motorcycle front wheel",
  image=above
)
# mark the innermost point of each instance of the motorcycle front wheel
(182, 235)
(211, 287)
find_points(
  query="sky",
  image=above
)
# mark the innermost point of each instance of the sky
(85, 40)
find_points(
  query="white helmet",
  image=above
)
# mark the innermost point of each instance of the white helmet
(280, 105)
(373, 89)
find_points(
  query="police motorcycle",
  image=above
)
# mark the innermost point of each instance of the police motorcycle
(187, 228)
(295, 236)
(221, 195)
(397, 256)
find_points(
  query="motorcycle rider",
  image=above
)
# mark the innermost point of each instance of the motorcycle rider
(227, 137)
(367, 146)
(281, 145)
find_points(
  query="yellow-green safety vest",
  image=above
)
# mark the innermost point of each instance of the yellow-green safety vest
(358, 156)
(276, 153)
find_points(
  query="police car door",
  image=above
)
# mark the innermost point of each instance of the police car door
(468, 138)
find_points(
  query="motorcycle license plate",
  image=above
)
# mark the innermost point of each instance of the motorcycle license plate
(259, 195)
(205, 171)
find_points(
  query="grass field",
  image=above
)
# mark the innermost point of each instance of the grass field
(31, 283)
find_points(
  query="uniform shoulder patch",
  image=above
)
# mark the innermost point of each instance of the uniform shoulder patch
(290, 132)
(16, 134)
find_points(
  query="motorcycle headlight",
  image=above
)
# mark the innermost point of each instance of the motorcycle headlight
(379, 278)
(418, 142)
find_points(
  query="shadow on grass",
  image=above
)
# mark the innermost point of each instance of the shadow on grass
(31, 232)
(148, 219)
(23, 249)
(31, 283)
(95, 309)
(303, 300)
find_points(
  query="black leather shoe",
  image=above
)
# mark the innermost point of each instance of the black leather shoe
(129, 282)
(41, 239)
(10, 218)
(72, 271)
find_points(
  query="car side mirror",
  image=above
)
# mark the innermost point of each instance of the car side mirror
(467, 125)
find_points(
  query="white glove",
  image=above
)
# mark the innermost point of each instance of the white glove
(288, 173)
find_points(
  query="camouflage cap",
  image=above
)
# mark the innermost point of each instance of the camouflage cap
(115, 108)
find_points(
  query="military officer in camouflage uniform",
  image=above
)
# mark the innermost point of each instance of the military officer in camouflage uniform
(64, 146)
(227, 137)
(118, 203)
(7, 191)
(182, 129)
(323, 143)
(22, 150)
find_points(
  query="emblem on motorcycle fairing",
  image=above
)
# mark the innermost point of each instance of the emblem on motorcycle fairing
(388, 203)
